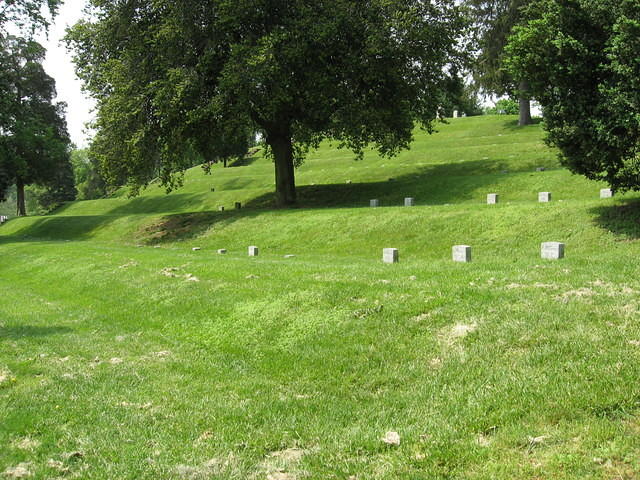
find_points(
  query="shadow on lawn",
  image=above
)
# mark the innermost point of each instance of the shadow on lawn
(429, 185)
(622, 220)
(21, 331)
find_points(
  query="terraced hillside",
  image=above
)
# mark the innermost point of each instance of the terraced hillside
(124, 353)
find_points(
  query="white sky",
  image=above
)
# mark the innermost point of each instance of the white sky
(58, 64)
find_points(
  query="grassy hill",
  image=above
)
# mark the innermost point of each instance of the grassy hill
(126, 354)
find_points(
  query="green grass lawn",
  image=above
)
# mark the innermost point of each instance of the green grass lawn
(124, 354)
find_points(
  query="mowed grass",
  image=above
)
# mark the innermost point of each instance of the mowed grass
(126, 355)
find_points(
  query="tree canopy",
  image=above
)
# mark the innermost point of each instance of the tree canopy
(34, 143)
(582, 60)
(493, 22)
(173, 79)
(27, 13)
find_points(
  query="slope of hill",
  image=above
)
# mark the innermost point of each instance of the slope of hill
(121, 360)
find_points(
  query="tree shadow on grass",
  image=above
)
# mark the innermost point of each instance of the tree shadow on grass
(428, 185)
(60, 228)
(622, 220)
(245, 161)
(15, 332)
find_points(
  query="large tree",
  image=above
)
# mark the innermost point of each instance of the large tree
(34, 143)
(583, 61)
(194, 76)
(493, 22)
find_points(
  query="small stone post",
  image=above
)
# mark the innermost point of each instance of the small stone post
(552, 250)
(544, 197)
(492, 198)
(253, 251)
(390, 255)
(461, 253)
(374, 203)
(606, 193)
(409, 202)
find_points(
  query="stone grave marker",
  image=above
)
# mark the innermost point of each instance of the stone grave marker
(253, 251)
(409, 202)
(544, 197)
(374, 203)
(552, 250)
(492, 198)
(390, 255)
(222, 251)
(461, 253)
(606, 193)
(221, 208)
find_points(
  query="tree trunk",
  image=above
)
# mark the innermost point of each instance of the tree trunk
(282, 147)
(525, 104)
(20, 204)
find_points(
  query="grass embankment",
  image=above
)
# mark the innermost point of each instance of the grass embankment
(120, 360)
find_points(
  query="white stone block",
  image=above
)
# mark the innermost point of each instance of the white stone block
(374, 203)
(222, 251)
(544, 197)
(196, 249)
(492, 198)
(455, 114)
(409, 202)
(606, 193)
(390, 255)
(221, 208)
(552, 250)
(253, 251)
(461, 253)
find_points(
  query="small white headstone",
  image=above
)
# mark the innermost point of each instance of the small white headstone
(606, 193)
(253, 251)
(552, 250)
(409, 202)
(390, 255)
(289, 256)
(221, 208)
(374, 203)
(544, 197)
(196, 249)
(455, 114)
(461, 253)
(540, 169)
(222, 251)
(492, 198)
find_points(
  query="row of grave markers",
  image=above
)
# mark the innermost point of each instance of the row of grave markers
(462, 253)
(492, 198)
(3, 218)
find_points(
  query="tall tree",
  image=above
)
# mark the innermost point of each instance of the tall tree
(582, 59)
(494, 21)
(173, 77)
(34, 143)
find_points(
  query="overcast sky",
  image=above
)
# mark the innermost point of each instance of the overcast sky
(58, 64)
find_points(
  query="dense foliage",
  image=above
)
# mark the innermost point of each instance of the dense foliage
(34, 143)
(27, 14)
(174, 80)
(582, 58)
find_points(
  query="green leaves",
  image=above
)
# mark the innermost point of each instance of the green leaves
(171, 77)
(581, 58)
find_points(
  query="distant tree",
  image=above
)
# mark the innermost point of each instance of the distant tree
(494, 21)
(504, 106)
(88, 179)
(34, 143)
(173, 77)
(581, 57)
